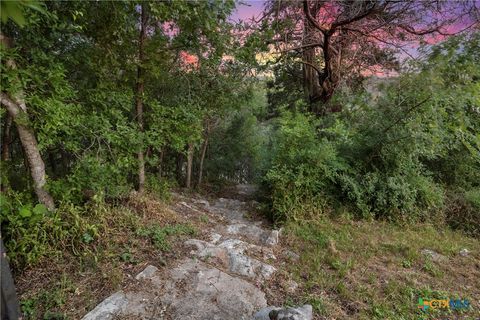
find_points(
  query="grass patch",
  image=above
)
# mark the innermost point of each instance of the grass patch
(159, 235)
(375, 270)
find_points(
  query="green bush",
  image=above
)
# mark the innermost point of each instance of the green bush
(463, 211)
(393, 157)
(302, 168)
(31, 231)
(310, 171)
(160, 187)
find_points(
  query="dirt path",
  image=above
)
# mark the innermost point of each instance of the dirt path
(222, 275)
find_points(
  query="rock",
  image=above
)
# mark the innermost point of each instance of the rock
(215, 237)
(263, 314)
(291, 286)
(272, 238)
(435, 256)
(464, 252)
(274, 313)
(292, 255)
(210, 294)
(108, 308)
(147, 273)
(232, 210)
(203, 202)
(231, 254)
(266, 270)
(191, 291)
(255, 233)
(241, 265)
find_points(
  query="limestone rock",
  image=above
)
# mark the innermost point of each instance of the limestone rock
(210, 294)
(304, 312)
(435, 256)
(255, 233)
(191, 291)
(147, 273)
(231, 254)
(109, 308)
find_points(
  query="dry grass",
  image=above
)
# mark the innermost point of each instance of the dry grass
(68, 285)
(375, 270)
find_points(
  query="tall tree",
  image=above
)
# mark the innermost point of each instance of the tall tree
(140, 89)
(339, 40)
(17, 109)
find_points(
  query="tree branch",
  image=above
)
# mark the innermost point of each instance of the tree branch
(12, 107)
(311, 19)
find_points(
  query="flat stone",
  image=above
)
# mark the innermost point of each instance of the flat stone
(255, 233)
(231, 254)
(108, 308)
(304, 312)
(210, 294)
(435, 256)
(191, 291)
(147, 273)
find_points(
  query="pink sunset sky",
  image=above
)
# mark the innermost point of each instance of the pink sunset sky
(248, 10)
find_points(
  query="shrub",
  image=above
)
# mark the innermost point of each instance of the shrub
(463, 211)
(393, 157)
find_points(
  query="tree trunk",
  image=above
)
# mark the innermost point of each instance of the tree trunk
(160, 163)
(18, 111)
(189, 165)
(179, 165)
(202, 158)
(7, 138)
(311, 76)
(53, 163)
(140, 88)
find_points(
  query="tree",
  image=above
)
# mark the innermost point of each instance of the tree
(335, 41)
(17, 111)
(140, 88)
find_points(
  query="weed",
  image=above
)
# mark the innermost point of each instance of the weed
(158, 235)
(204, 218)
(406, 264)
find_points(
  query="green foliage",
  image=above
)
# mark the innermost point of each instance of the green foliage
(160, 187)
(302, 168)
(463, 210)
(15, 10)
(389, 157)
(235, 150)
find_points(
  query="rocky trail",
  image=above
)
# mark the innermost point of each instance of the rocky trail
(223, 274)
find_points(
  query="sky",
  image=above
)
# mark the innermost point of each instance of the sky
(247, 10)
(254, 8)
